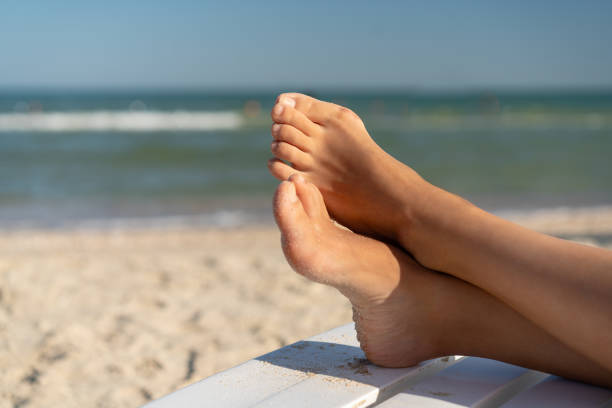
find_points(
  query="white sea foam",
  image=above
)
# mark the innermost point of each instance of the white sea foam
(139, 121)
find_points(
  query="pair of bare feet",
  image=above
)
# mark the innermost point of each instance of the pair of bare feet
(404, 311)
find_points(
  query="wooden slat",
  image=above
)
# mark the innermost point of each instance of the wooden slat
(472, 382)
(562, 393)
(328, 370)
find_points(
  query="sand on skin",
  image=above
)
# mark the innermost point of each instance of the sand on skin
(114, 317)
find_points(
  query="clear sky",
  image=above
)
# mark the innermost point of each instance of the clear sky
(306, 44)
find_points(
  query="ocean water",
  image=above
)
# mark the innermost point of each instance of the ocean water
(91, 157)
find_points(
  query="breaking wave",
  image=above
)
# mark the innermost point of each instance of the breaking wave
(130, 121)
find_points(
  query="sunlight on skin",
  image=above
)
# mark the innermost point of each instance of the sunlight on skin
(367, 190)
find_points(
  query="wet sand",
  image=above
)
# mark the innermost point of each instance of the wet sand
(113, 317)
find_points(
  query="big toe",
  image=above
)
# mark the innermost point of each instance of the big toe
(288, 210)
(310, 197)
(318, 111)
(295, 227)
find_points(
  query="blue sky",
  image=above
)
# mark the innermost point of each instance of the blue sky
(315, 44)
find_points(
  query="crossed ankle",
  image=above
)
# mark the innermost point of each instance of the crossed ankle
(429, 224)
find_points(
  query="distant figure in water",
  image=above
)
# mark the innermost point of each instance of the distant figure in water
(428, 273)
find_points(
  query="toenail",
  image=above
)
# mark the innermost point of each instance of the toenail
(278, 109)
(288, 101)
(275, 128)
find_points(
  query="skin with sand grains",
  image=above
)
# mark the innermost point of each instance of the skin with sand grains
(335, 166)
(365, 270)
(403, 312)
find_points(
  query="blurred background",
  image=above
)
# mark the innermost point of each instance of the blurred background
(157, 109)
(137, 249)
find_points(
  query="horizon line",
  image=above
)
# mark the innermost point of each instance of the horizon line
(152, 89)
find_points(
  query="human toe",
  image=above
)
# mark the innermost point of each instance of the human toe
(288, 209)
(280, 169)
(285, 151)
(291, 135)
(284, 113)
(318, 111)
(310, 197)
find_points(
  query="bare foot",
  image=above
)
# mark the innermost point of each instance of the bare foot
(393, 318)
(405, 313)
(363, 186)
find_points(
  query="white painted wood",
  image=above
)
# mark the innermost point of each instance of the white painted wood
(327, 370)
(472, 382)
(562, 393)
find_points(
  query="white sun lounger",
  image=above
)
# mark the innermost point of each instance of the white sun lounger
(330, 370)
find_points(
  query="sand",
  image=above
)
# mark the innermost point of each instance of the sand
(113, 317)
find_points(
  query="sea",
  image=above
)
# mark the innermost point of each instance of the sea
(89, 158)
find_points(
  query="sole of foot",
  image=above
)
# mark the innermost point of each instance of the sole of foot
(403, 312)
(395, 301)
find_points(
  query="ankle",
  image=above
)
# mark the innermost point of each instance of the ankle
(428, 223)
(406, 193)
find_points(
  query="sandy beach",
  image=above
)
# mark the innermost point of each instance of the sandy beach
(113, 317)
